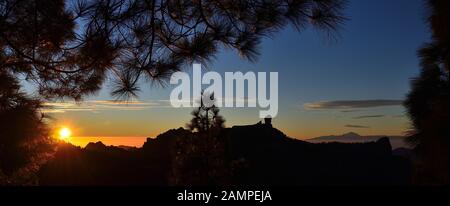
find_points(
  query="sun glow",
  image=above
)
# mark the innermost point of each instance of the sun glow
(64, 134)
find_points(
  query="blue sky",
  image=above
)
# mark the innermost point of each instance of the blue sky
(373, 58)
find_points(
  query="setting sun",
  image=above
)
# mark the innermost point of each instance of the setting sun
(64, 133)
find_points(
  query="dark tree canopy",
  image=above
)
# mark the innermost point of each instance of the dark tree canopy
(24, 139)
(427, 102)
(70, 47)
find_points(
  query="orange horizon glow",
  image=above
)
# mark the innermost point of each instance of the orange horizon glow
(130, 141)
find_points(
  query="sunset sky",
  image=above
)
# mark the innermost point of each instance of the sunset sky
(355, 83)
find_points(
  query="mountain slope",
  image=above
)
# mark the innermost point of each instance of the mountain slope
(242, 155)
(352, 137)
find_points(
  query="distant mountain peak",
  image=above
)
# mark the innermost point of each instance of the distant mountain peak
(351, 134)
(95, 146)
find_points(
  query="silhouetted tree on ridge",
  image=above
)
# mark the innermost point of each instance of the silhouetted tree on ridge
(427, 103)
(206, 118)
(201, 158)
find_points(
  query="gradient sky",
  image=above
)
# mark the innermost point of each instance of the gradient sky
(373, 58)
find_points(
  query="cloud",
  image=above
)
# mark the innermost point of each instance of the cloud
(234, 100)
(112, 102)
(351, 110)
(356, 126)
(368, 116)
(352, 104)
(102, 105)
(97, 105)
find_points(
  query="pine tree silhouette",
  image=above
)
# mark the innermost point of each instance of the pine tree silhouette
(206, 117)
(24, 138)
(69, 48)
(427, 103)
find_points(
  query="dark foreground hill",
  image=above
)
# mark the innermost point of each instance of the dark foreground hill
(242, 155)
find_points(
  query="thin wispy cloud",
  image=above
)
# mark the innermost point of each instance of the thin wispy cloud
(356, 126)
(244, 100)
(351, 110)
(368, 116)
(102, 105)
(98, 105)
(112, 102)
(352, 104)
